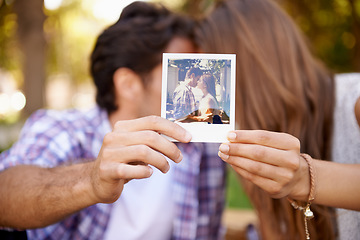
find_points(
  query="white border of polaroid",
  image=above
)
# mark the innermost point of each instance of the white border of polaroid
(175, 66)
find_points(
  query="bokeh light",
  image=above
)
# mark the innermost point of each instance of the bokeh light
(18, 101)
(11, 102)
(109, 10)
(52, 4)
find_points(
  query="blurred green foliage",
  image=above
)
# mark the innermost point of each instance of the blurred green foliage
(9, 53)
(71, 31)
(70, 34)
(235, 194)
(333, 28)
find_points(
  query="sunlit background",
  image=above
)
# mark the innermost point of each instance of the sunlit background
(70, 30)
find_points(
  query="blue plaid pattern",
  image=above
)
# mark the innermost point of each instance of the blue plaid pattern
(183, 101)
(51, 138)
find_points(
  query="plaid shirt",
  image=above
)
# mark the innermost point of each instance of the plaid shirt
(183, 101)
(52, 138)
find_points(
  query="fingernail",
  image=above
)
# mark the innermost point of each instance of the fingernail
(167, 168)
(223, 156)
(179, 158)
(188, 137)
(231, 136)
(150, 171)
(224, 148)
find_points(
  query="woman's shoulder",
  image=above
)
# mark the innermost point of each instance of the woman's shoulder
(348, 92)
(347, 78)
(347, 84)
(211, 101)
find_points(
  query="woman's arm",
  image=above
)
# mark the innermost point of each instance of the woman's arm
(338, 185)
(272, 161)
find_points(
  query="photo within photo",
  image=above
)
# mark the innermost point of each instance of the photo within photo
(199, 89)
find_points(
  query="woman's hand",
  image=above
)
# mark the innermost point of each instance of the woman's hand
(270, 160)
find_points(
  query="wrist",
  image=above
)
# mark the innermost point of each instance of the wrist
(102, 189)
(86, 185)
(301, 190)
(308, 214)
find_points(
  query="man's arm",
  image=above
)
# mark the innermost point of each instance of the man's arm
(32, 197)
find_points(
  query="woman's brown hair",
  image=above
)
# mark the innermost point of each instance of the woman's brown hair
(280, 87)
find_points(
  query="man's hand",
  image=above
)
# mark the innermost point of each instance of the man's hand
(33, 196)
(128, 151)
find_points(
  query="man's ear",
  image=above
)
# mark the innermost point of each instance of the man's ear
(128, 84)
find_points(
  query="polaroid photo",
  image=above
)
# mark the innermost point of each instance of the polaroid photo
(198, 93)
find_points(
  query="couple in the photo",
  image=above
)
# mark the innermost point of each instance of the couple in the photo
(186, 108)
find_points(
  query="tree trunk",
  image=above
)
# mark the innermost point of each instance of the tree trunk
(356, 31)
(31, 39)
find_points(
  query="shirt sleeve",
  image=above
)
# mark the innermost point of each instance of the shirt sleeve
(45, 140)
(183, 103)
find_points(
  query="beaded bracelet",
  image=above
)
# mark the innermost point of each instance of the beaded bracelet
(308, 214)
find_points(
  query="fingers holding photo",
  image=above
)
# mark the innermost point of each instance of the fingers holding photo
(135, 155)
(277, 149)
(278, 140)
(268, 159)
(151, 139)
(157, 124)
(260, 153)
(140, 141)
(130, 151)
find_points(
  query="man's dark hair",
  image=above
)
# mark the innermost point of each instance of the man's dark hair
(194, 70)
(136, 41)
